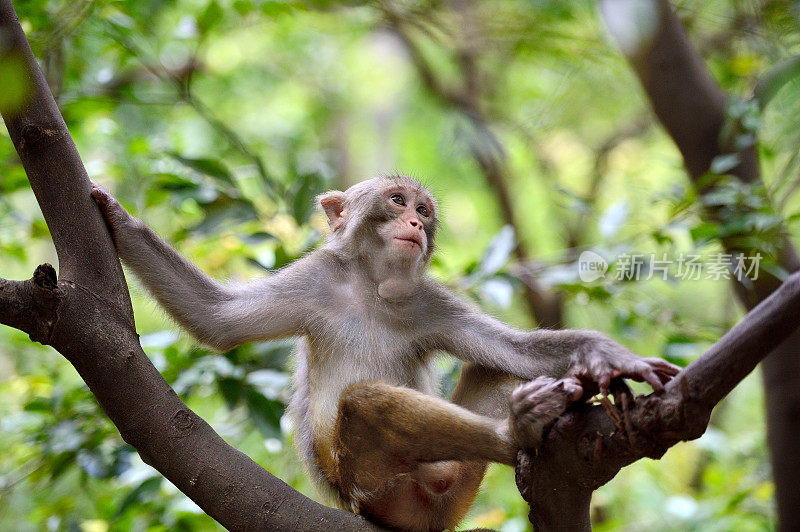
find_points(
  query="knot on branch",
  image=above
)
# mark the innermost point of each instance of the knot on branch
(663, 420)
(47, 299)
(182, 423)
(32, 306)
(32, 135)
(45, 277)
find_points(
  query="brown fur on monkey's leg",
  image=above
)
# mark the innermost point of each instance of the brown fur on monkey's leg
(395, 448)
(415, 461)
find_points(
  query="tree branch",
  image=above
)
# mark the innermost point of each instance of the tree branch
(87, 317)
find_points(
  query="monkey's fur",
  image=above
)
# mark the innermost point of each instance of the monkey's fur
(367, 419)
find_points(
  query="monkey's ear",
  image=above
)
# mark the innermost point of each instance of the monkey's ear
(333, 204)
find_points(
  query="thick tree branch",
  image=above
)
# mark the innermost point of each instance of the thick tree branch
(87, 317)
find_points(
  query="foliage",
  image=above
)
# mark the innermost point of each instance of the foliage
(219, 121)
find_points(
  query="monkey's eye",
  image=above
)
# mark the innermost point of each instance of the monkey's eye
(398, 198)
(423, 210)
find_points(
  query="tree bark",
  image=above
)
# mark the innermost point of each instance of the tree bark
(87, 316)
(692, 108)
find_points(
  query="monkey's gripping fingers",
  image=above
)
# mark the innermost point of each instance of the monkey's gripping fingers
(536, 404)
(603, 360)
(114, 213)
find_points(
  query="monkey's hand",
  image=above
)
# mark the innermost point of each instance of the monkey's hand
(117, 217)
(600, 359)
(536, 404)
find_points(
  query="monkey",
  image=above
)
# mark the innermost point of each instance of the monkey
(369, 425)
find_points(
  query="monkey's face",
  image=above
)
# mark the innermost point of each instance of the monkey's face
(407, 232)
(390, 221)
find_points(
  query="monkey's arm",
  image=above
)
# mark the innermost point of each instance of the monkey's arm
(467, 333)
(221, 316)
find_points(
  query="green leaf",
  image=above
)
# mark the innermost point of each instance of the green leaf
(61, 464)
(144, 491)
(773, 81)
(171, 181)
(210, 17)
(722, 163)
(258, 237)
(207, 166)
(470, 268)
(661, 237)
(266, 413)
(39, 404)
(274, 8)
(243, 7)
(224, 211)
(282, 257)
(307, 188)
(231, 390)
(39, 229)
(17, 85)
(793, 218)
(704, 231)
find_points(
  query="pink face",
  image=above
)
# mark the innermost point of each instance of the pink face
(414, 214)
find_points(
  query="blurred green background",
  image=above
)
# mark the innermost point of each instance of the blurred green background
(218, 122)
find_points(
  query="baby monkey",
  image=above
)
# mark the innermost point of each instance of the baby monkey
(367, 419)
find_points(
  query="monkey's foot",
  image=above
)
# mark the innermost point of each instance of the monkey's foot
(536, 404)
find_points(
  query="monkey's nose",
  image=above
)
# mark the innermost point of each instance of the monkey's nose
(415, 223)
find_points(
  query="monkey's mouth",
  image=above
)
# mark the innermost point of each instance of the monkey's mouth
(412, 240)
